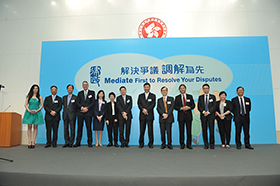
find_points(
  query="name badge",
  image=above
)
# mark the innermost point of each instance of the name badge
(247, 103)
(55, 101)
(89, 96)
(72, 101)
(127, 101)
(188, 100)
(225, 104)
(168, 102)
(210, 100)
(103, 102)
(149, 100)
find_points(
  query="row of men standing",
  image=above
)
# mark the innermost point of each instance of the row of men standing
(118, 114)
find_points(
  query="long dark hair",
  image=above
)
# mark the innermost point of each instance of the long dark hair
(30, 93)
(103, 98)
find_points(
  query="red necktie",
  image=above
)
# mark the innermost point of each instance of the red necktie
(185, 104)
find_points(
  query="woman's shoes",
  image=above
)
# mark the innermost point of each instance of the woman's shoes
(31, 146)
(96, 145)
(100, 144)
(227, 146)
(223, 146)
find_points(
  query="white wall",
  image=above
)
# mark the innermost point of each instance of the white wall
(24, 24)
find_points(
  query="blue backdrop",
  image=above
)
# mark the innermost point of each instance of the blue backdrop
(223, 62)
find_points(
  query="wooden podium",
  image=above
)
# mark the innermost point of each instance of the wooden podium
(10, 129)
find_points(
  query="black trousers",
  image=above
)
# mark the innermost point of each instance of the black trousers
(127, 130)
(88, 121)
(69, 122)
(113, 126)
(208, 122)
(165, 126)
(224, 130)
(150, 131)
(188, 125)
(238, 126)
(52, 126)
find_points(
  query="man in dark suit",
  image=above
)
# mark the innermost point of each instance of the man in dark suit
(85, 103)
(207, 106)
(53, 106)
(69, 116)
(184, 104)
(241, 107)
(146, 103)
(111, 115)
(124, 104)
(165, 106)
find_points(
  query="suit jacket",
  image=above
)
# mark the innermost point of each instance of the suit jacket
(170, 106)
(236, 108)
(179, 104)
(108, 111)
(89, 102)
(149, 104)
(69, 111)
(55, 106)
(96, 110)
(226, 108)
(211, 106)
(124, 107)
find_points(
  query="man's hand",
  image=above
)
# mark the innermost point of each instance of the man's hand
(84, 109)
(206, 114)
(53, 113)
(165, 116)
(145, 111)
(185, 108)
(124, 115)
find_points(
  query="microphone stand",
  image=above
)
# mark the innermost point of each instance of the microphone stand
(1, 86)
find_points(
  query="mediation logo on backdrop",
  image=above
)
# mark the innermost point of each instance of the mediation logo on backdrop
(152, 28)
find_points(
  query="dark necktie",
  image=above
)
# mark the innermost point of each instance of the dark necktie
(85, 95)
(185, 104)
(242, 107)
(206, 103)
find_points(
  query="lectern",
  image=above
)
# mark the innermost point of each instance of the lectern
(10, 129)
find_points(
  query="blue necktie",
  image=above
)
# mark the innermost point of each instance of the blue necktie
(69, 98)
(206, 103)
(242, 107)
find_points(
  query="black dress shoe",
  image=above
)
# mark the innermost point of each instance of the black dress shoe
(116, 145)
(90, 145)
(170, 147)
(151, 146)
(126, 145)
(212, 147)
(238, 148)
(54, 145)
(47, 145)
(182, 146)
(163, 146)
(110, 145)
(64, 146)
(206, 147)
(141, 145)
(190, 147)
(77, 145)
(70, 146)
(249, 147)
(29, 146)
(122, 145)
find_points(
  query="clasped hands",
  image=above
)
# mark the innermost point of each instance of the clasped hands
(124, 115)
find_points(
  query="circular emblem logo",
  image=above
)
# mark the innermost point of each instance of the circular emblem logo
(152, 28)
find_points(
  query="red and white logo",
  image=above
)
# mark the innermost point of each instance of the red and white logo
(152, 28)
